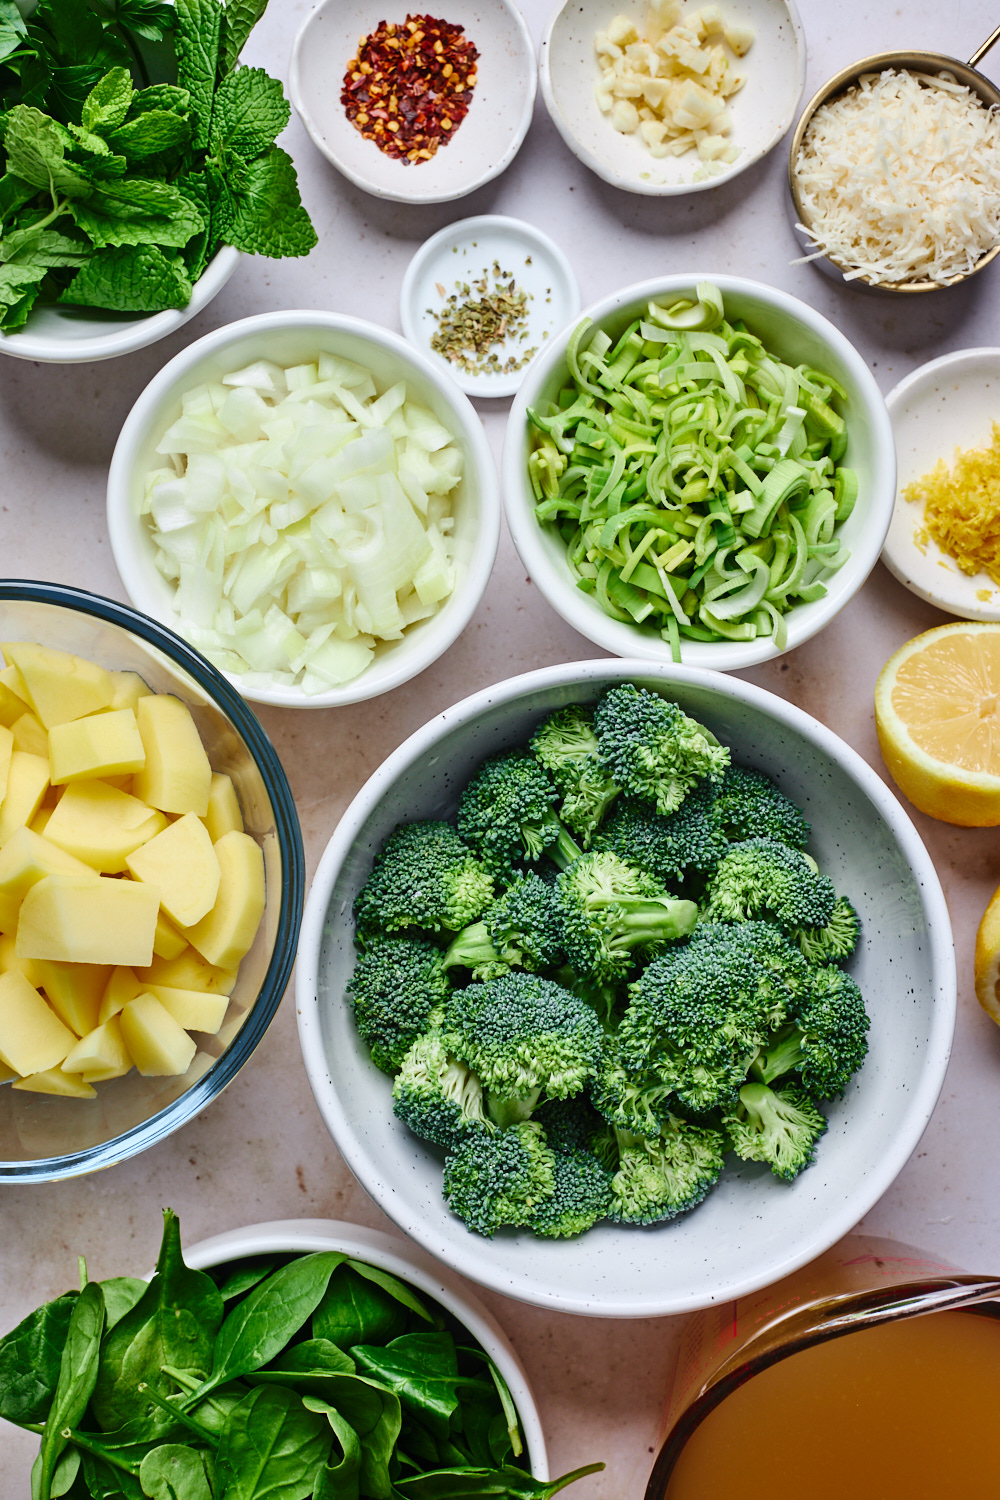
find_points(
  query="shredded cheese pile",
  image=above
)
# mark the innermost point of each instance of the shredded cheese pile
(899, 178)
(962, 508)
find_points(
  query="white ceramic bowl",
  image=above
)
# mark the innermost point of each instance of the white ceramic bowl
(799, 335)
(73, 335)
(949, 403)
(775, 69)
(399, 1258)
(291, 338)
(484, 144)
(752, 1229)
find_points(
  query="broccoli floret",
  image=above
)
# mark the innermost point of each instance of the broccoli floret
(748, 805)
(608, 909)
(399, 988)
(661, 1178)
(637, 1102)
(762, 879)
(472, 948)
(653, 750)
(425, 877)
(499, 1177)
(521, 929)
(570, 1124)
(776, 1126)
(834, 942)
(507, 813)
(825, 1041)
(700, 1013)
(438, 1097)
(666, 847)
(566, 746)
(581, 1195)
(524, 1036)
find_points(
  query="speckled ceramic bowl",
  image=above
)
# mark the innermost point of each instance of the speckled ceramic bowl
(752, 1229)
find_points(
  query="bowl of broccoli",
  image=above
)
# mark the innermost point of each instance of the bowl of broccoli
(625, 988)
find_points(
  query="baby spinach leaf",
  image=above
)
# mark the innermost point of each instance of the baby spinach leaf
(250, 111)
(338, 1481)
(505, 1397)
(470, 1484)
(355, 1311)
(316, 1356)
(104, 1482)
(258, 208)
(372, 1411)
(65, 1475)
(247, 1273)
(394, 1287)
(107, 104)
(422, 1369)
(196, 41)
(239, 19)
(172, 1472)
(271, 1446)
(121, 1293)
(173, 1323)
(31, 1352)
(260, 1327)
(77, 1376)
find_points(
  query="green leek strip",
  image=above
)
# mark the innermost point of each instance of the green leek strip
(635, 557)
(818, 377)
(845, 492)
(786, 480)
(810, 592)
(655, 581)
(705, 313)
(630, 599)
(730, 606)
(792, 579)
(730, 630)
(672, 634)
(823, 416)
(572, 357)
(779, 626)
(604, 573)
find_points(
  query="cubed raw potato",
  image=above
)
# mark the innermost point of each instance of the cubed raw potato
(74, 991)
(225, 935)
(11, 706)
(100, 1051)
(82, 921)
(10, 960)
(182, 864)
(192, 1009)
(11, 679)
(6, 1074)
(55, 1081)
(157, 1045)
(122, 987)
(99, 745)
(223, 808)
(40, 821)
(59, 686)
(101, 825)
(128, 689)
(6, 751)
(32, 1037)
(177, 777)
(28, 733)
(25, 859)
(167, 941)
(189, 972)
(27, 783)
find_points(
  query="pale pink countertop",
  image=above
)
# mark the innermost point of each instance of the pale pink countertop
(261, 1151)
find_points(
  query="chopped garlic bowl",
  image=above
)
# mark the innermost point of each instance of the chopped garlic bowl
(309, 502)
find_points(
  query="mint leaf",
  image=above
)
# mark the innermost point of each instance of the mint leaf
(18, 290)
(200, 247)
(13, 32)
(95, 144)
(196, 42)
(107, 104)
(36, 149)
(132, 279)
(14, 194)
(250, 110)
(43, 247)
(158, 130)
(239, 20)
(138, 211)
(258, 208)
(160, 96)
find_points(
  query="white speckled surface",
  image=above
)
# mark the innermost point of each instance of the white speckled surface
(261, 1151)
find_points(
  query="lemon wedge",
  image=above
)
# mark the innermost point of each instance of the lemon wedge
(987, 962)
(937, 712)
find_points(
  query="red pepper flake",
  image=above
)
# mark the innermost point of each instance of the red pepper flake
(422, 72)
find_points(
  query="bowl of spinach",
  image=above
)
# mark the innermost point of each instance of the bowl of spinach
(305, 1358)
(139, 161)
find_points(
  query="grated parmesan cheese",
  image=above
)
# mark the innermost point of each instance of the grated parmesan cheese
(899, 178)
(962, 508)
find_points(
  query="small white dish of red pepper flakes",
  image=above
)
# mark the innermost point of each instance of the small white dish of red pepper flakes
(413, 106)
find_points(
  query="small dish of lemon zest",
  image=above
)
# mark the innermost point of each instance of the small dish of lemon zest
(962, 508)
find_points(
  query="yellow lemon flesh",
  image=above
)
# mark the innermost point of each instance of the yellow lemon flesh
(937, 712)
(987, 966)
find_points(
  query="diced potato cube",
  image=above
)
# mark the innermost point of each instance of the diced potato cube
(157, 1045)
(59, 686)
(167, 941)
(104, 1075)
(55, 1081)
(28, 733)
(74, 991)
(101, 825)
(99, 745)
(100, 1050)
(189, 972)
(122, 987)
(83, 921)
(27, 783)
(10, 960)
(192, 1009)
(11, 706)
(25, 858)
(223, 808)
(177, 777)
(226, 933)
(40, 821)
(6, 751)
(128, 689)
(32, 1037)
(182, 864)
(11, 679)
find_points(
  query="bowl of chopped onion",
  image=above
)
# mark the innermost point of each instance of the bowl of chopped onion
(309, 502)
(700, 470)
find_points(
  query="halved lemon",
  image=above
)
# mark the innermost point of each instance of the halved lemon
(988, 959)
(937, 712)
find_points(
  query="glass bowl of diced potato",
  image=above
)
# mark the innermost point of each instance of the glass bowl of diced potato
(151, 882)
